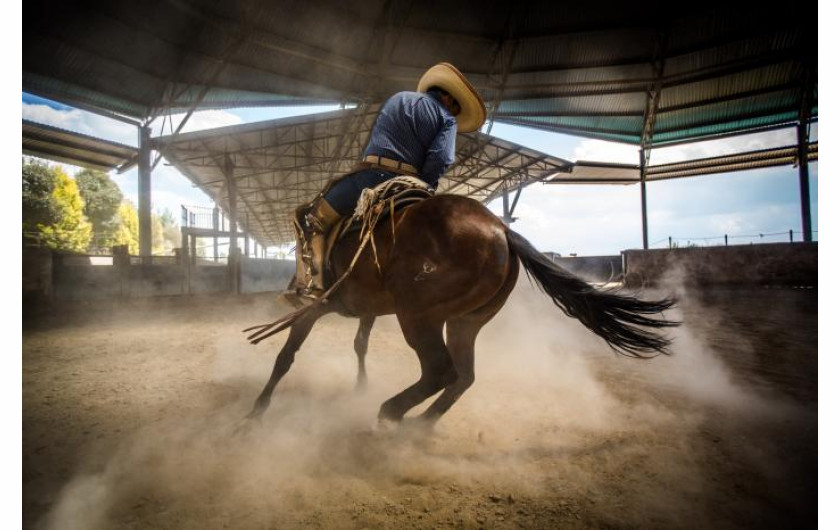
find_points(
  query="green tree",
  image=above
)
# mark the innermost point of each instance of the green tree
(128, 227)
(72, 231)
(102, 200)
(39, 207)
(158, 242)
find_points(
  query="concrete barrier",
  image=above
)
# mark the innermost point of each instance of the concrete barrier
(787, 264)
(52, 276)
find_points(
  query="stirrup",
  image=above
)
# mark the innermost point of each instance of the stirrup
(301, 296)
(311, 295)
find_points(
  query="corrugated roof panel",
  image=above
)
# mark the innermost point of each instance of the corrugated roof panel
(587, 132)
(586, 172)
(52, 143)
(127, 87)
(591, 105)
(52, 88)
(746, 124)
(467, 53)
(766, 45)
(617, 82)
(755, 107)
(595, 48)
(750, 82)
(223, 98)
(472, 18)
(731, 22)
(607, 125)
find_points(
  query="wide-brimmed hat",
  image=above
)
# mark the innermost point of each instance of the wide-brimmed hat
(447, 77)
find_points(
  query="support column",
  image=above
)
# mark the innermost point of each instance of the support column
(643, 157)
(233, 248)
(144, 193)
(247, 249)
(804, 181)
(507, 208)
(216, 229)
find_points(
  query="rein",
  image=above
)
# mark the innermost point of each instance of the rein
(372, 204)
(267, 330)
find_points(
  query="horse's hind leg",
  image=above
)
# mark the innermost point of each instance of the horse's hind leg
(298, 333)
(461, 333)
(460, 340)
(426, 338)
(360, 344)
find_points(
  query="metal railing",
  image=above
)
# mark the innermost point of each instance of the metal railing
(725, 240)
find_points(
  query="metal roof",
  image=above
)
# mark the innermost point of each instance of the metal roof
(74, 148)
(278, 165)
(586, 172)
(642, 74)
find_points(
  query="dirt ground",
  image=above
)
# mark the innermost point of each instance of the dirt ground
(129, 411)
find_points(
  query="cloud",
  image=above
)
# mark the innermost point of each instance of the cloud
(601, 151)
(199, 121)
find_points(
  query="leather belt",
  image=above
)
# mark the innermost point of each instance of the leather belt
(390, 164)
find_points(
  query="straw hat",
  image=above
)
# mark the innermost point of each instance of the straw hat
(447, 77)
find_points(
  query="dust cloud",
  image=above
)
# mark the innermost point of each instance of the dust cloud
(557, 430)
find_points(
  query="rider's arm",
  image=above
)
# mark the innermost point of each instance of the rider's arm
(441, 152)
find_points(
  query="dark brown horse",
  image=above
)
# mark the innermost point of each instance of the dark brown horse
(449, 261)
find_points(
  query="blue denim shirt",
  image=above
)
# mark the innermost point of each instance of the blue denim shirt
(416, 128)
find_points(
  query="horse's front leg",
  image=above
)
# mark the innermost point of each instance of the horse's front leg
(360, 344)
(297, 334)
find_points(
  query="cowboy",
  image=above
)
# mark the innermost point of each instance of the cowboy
(414, 135)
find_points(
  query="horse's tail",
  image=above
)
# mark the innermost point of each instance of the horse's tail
(618, 319)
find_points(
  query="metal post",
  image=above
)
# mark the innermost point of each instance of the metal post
(185, 253)
(216, 229)
(144, 193)
(246, 253)
(726, 240)
(233, 248)
(643, 172)
(804, 181)
(508, 208)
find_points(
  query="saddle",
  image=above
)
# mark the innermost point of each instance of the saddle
(374, 206)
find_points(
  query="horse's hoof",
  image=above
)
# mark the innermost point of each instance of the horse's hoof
(385, 426)
(418, 424)
(247, 425)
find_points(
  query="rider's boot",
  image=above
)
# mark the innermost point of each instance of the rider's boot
(321, 219)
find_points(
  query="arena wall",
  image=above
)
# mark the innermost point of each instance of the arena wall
(783, 264)
(52, 276)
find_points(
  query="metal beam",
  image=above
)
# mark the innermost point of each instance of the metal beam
(144, 193)
(233, 248)
(802, 133)
(643, 156)
(654, 93)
